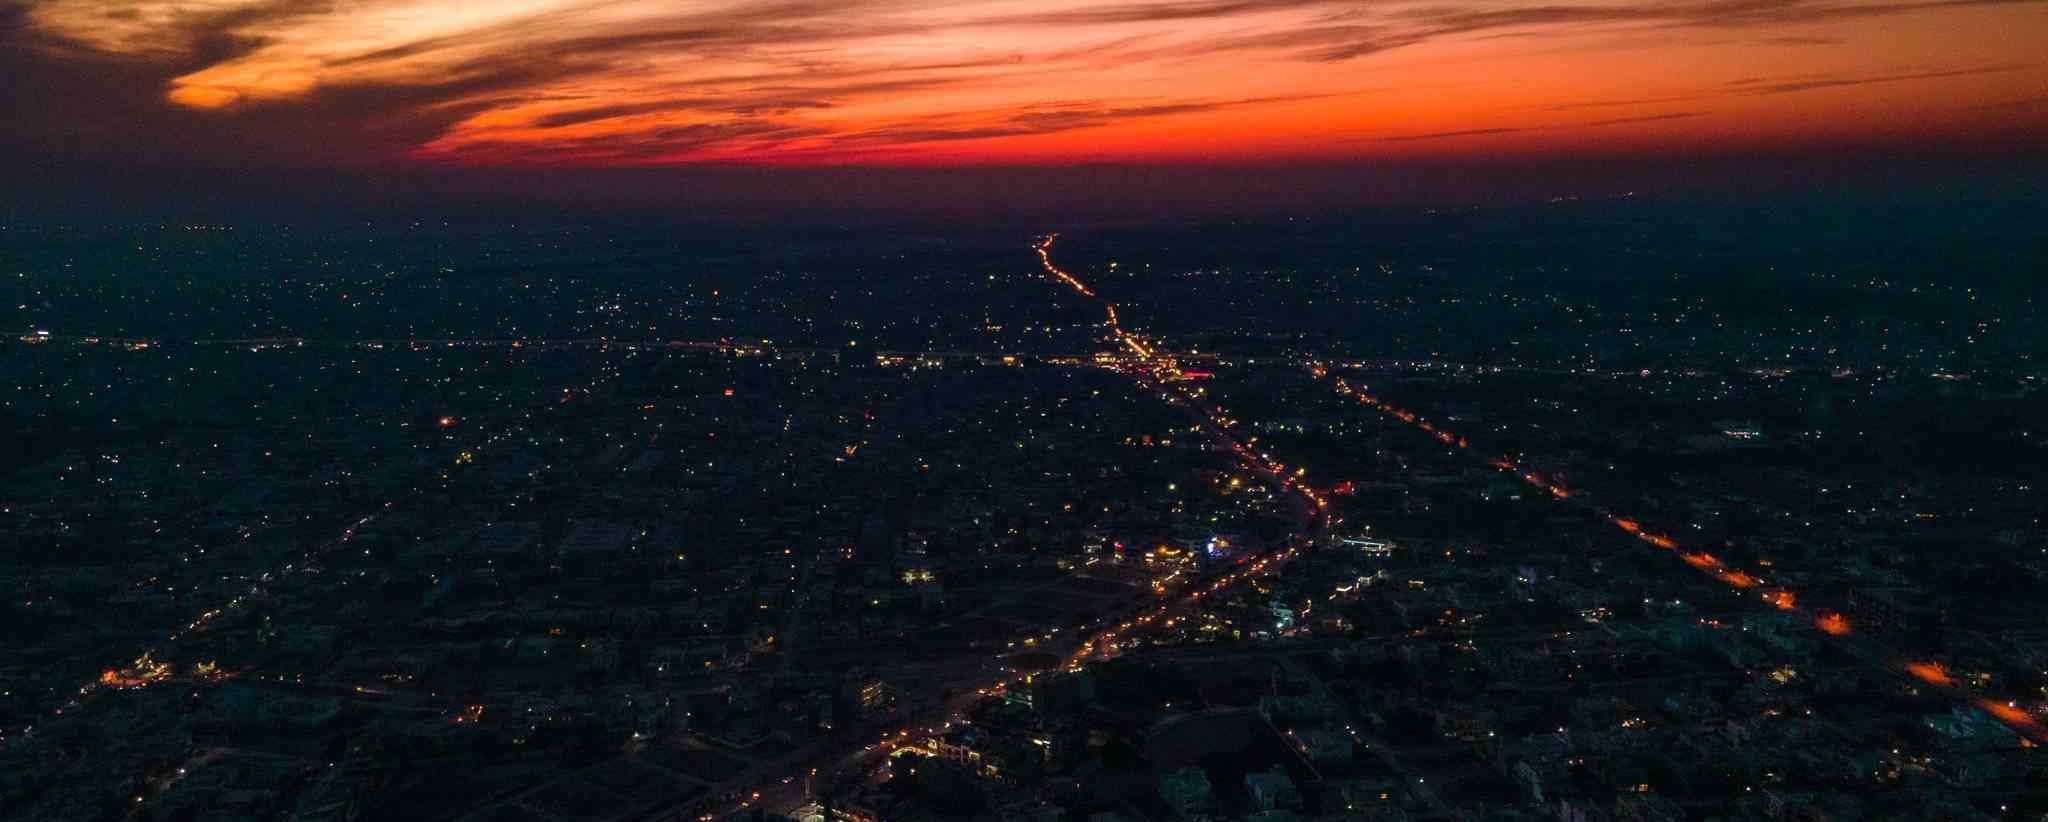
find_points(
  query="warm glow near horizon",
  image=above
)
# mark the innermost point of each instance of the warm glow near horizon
(630, 82)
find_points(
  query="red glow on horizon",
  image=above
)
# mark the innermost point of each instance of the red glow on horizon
(591, 83)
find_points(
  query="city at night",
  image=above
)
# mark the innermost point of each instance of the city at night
(1023, 411)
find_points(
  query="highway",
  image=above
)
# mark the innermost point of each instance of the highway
(791, 779)
(1153, 368)
(1925, 674)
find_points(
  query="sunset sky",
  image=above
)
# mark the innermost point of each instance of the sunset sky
(348, 83)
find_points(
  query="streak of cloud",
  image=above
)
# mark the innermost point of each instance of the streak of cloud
(1446, 135)
(322, 82)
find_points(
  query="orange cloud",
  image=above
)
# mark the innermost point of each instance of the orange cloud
(631, 82)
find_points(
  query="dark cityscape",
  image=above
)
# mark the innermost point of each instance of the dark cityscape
(734, 412)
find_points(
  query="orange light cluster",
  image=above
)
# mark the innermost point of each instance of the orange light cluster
(1738, 579)
(144, 672)
(2030, 728)
(1832, 624)
(1932, 673)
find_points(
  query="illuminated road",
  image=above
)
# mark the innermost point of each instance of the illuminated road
(790, 780)
(1926, 674)
(149, 669)
(1044, 249)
